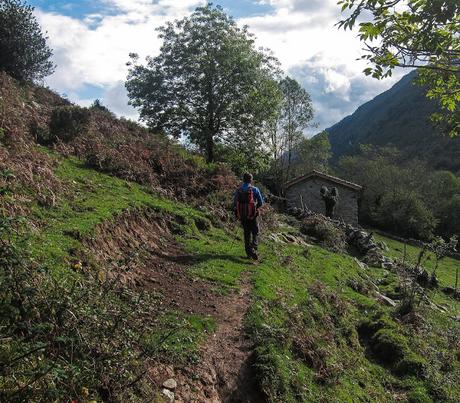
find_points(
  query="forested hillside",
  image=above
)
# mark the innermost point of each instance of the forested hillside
(398, 117)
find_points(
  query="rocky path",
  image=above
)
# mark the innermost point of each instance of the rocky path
(224, 372)
(227, 353)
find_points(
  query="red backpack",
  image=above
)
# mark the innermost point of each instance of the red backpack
(245, 204)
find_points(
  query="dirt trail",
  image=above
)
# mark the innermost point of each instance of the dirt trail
(228, 351)
(224, 373)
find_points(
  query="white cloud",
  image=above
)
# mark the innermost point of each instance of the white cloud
(94, 50)
(116, 99)
(303, 35)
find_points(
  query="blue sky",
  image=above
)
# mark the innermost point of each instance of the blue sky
(92, 40)
(79, 9)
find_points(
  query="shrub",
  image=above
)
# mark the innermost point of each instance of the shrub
(450, 217)
(406, 214)
(74, 338)
(98, 110)
(68, 122)
(325, 231)
(24, 53)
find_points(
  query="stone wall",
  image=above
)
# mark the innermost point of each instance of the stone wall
(346, 208)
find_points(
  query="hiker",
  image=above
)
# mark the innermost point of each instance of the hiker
(330, 198)
(246, 203)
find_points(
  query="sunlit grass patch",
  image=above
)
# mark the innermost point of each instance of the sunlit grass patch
(178, 336)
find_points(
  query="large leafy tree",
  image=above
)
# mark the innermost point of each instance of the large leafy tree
(286, 129)
(209, 82)
(413, 33)
(24, 53)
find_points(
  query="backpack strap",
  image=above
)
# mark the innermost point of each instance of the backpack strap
(251, 204)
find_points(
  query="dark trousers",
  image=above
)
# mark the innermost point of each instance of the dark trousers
(251, 231)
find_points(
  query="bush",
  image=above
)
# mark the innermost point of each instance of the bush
(405, 214)
(24, 53)
(68, 122)
(450, 217)
(75, 338)
(325, 231)
(98, 106)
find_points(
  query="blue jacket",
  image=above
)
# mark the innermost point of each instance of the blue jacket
(256, 192)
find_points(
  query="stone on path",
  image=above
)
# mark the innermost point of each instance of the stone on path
(168, 394)
(170, 384)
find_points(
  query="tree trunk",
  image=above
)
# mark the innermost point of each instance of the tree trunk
(210, 148)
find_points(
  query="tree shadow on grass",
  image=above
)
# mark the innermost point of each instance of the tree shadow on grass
(205, 257)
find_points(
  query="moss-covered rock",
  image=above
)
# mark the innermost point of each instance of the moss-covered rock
(389, 346)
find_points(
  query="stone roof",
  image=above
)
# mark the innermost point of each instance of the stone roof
(322, 175)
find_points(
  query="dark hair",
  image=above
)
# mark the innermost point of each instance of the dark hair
(247, 177)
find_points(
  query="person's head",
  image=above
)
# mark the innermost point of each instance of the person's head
(247, 177)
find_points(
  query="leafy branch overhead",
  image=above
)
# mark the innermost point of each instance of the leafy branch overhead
(421, 34)
(24, 53)
(209, 83)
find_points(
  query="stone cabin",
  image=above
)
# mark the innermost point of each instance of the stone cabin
(307, 188)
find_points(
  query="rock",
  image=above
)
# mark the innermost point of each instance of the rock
(448, 290)
(361, 264)
(168, 394)
(388, 265)
(385, 300)
(170, 384)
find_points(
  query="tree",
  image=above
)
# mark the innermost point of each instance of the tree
(450, 216)
(209, 82)
(441, 249)
(313, 154)
(406, 214)
(24, 53)
(286, 129)
(414, 33)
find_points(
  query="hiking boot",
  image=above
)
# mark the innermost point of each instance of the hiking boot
(254, 256)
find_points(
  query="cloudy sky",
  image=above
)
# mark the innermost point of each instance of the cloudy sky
(92, 39)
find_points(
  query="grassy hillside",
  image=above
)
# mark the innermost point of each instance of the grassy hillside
(123, 269)
(319, 332)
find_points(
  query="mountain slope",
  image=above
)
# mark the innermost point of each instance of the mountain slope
(123, 282)
(397, 117)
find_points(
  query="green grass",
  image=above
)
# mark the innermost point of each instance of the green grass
(219, 257)
(178, 337)
(281, 286)
(283, 280)
(286, 305)
(300, 295)
(447, 266)
(93, 198)
(445, 272)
